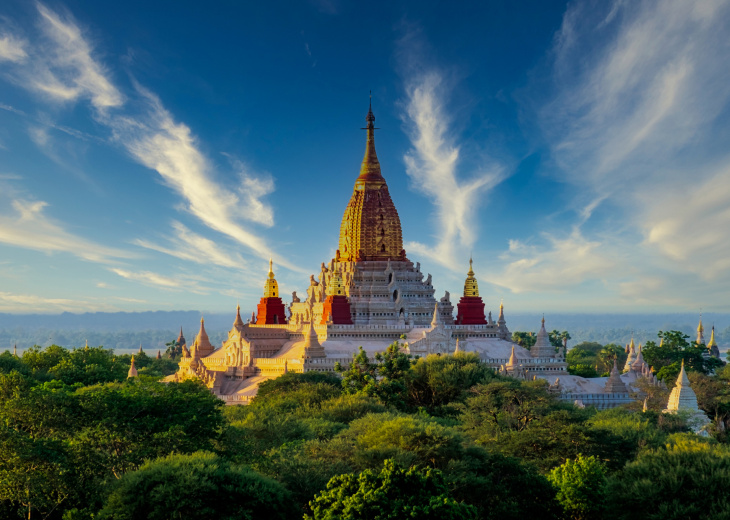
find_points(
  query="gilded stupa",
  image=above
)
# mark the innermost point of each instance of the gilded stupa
(370, 228)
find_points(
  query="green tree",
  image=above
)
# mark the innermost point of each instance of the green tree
(501, 488)
(437, 382)
(524, 339)
(9, 363)
(607, 355)
(582, 370)
(687, 479)
(360, 376)
(713, 396)
(383, 378)
(583, 359)
(196, 486)
(32, 473)
(667, 357)
(391, 493)
(294, 380)
(121, 425)
(558, 338)
(521, 419)
(581, 488)
(174, 349)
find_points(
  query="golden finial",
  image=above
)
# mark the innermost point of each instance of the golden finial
(471, 287)
(271, 288)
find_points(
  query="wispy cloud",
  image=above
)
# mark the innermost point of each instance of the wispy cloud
(19, 303)
(193, 247)
(61, 66)
(159, 142)
(64, 67)
(638, 92)
(12, 48)
(27, 226)
(558, 264)
(148, 278)
(432, 165)
(183, 282)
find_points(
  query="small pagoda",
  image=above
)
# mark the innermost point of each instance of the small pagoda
(471, 306)
(336, 308)
(271, 308)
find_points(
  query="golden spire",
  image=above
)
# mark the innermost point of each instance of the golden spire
(712, 342)
(370, 168)
(238, 323)
(512, 358)
(471, 288)
(271, 288)
(700, 332)
(370, 228)
(132, 370)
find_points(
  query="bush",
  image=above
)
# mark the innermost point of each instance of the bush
(197, 486)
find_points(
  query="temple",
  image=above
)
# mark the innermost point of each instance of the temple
(683, 400)
(370, 294)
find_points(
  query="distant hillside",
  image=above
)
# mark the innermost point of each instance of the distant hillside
(125, 331)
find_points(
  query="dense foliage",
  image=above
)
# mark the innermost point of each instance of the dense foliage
(390, 436)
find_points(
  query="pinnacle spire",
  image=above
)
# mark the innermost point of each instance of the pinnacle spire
(132, 370)
(370, 169)
(700, 332)
(436, 321)
(471, 287)
(512, 358)
(542, 347)
(238, 322)
(614, 383)
(312, 346)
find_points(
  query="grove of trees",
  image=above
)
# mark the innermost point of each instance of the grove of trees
(389, 437)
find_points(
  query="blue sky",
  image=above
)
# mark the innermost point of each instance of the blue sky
(153, 155)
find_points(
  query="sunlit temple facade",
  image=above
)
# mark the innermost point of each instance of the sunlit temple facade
(370, 294)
